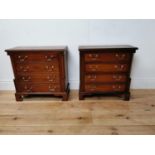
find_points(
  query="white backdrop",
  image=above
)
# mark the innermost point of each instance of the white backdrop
(140, 33)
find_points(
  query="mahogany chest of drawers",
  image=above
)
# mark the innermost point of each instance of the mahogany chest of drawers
(40, 70)
(105, 70)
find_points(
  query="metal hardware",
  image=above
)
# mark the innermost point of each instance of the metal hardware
(52, 88)
(92, 77)
(50, 68)
(94, 67)
(28, 89)
(117, 77)
(120, 56)
(116, 87)
(25, 68)
(22, 58)
(49, 58)
(119, 67)
(93, 56)
(26, 78)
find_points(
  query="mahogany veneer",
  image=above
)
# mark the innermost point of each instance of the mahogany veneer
(40, 70)
(105, 70)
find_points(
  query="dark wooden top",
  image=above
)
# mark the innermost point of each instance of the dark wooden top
(105, 47)
(37, 48)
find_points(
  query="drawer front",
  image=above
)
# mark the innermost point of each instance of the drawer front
(106, 67)
(105, 78)
(107, 57)
(37, 67)
(26, 57)
(31, 87)
(54, 78)
(105, 87)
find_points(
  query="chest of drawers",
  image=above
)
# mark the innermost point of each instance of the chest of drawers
(105, 70)
(40, 70)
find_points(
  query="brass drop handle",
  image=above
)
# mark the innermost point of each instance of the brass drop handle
(117, 77)
(94, 67)
(28, 89)
(50, 68)
(116, 87)
(92, 77)
(50, 79)
(93, 56)
(22, 58)
(119, 67)
(120, 56)
(49, 58)
(52, 88)
(25, 69)
(26, 79)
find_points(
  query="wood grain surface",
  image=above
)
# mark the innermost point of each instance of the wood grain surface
(94, 115)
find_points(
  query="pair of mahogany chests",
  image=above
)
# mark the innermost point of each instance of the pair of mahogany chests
(104, 70)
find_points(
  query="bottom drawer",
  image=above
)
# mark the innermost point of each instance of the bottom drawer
(22, 87)
(105, 87)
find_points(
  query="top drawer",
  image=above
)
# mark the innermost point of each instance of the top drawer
(107, 57)
(26, 57)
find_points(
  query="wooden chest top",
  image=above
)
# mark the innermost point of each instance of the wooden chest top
(37, 48)
(108, 48)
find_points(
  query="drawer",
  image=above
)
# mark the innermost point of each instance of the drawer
(107, 57)
(107, 67)
(26, 57)
(105, 87)
(105, 78)
(37, 67)
(34, 87)
(52, 78)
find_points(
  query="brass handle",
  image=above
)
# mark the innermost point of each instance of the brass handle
(119, 67)
(22, 58)
(120, 56)
(26, 79)
(93, 56)
(94, 67)
(49, 58)
(50, 68)
(28, 89)
(51, 79)
(117, 77)
(52, 88)
(92, 77)
(25, 69)
(116, 87)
